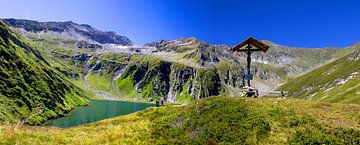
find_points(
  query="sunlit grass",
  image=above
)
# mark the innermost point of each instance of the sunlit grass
(277, 121)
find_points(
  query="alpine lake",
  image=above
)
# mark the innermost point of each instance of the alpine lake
(97, 110)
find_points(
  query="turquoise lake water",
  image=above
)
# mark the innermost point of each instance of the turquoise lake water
(98, 110)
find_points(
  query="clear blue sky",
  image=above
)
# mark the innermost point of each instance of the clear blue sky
(301, 23)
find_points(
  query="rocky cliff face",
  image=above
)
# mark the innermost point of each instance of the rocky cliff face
(145, 77)
(280, 58)
(186, 69)
(274, 66)
(179, 70)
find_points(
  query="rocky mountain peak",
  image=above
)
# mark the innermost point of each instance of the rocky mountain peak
(69, 27)
(177, 42)
(188, 41)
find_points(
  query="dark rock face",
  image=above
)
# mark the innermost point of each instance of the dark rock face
(81, 57)
(71, 27)
(87, 45)
(168, 80)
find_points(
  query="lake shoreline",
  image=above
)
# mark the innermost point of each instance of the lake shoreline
(96, 110)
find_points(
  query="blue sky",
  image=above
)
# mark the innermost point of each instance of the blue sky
(299, 23)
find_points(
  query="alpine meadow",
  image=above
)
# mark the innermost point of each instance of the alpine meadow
(180, 72)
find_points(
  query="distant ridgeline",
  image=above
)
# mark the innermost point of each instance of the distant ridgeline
(63, 54)
(70, 28)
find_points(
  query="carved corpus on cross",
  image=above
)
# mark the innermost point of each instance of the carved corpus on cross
(249, 46)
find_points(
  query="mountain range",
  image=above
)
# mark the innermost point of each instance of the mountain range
(83, 62)
(49, 68)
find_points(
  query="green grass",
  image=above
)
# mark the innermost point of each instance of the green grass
(100, 81)
(148, 91)
(323, 82)
(31, 91)
(216, 120)
(348, 92)
(184, 96)
(221, 120)
(125, 88)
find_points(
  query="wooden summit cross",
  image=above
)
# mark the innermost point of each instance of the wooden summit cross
(252, 45)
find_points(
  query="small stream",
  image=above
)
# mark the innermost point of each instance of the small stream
(98, 110)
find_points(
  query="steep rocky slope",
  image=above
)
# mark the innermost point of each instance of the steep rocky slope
(146, 77)
(30, 90)
(270, 68)
(115, 71)
(290, 60)
(186, 69)
(338, 81)
(179, 70)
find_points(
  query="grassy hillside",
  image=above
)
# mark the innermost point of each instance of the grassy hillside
(30, 90)
(217, 120)
(334, 82)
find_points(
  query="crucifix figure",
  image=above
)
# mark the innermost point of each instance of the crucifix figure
(251, 45)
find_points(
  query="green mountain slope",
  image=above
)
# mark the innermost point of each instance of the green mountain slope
(338, 81)
(106, 69)
(30, 90)
(216, 120)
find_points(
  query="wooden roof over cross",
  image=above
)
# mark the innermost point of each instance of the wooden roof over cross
(259, 46)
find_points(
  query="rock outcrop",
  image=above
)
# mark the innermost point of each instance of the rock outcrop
(148, 77)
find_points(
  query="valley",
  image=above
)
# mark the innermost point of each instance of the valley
(103, 67)
(52, 69)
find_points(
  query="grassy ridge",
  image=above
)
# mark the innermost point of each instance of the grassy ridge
(30, 90)
(334, 82)
(213, 120)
